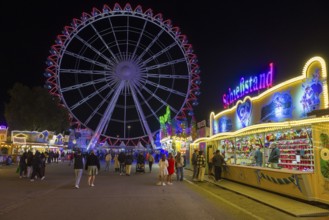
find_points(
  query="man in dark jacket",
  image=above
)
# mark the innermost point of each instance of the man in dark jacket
(36, 166)
(194, 164)
(274, 156)
(122, 160)
(93, 166)
(22, 165)
(218, 163)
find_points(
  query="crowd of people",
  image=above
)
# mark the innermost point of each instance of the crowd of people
(33, 166)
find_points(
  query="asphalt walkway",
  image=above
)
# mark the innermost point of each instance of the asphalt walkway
(61, 181)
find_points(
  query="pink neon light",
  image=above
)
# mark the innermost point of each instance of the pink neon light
(249, 85)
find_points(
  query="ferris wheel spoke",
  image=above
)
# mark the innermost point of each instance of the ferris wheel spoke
(145, 101)
(106, 116)
(87, 72)
(115, 38)
(105, 44)
(99, 106)
(150, 45)
(127, 41)
(167, 76)
(160, 100)
(165, 64)
(97, 51)
(81, 85)
(139, 40)
(151, 58)
(142, 116)
(86, 59)
(88, 97)
(166, 88)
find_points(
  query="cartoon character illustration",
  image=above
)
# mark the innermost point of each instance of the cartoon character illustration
(307, 99)
(216, 130)
(316, 86)
(279, 108)
(244, 113)
(225, 124)
(311, 97)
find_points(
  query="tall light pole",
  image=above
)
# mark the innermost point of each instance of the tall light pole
(129, 126)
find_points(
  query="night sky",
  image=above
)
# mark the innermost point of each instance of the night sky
(231, 39)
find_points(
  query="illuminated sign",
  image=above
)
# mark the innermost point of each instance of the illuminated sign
(249, 85)
(166, 117)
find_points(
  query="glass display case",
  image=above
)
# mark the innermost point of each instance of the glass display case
(240, 150)
(296, 148)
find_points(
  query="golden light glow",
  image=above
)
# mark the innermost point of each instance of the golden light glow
(263, 128)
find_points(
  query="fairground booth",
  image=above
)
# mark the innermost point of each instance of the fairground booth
(176, 135)
(292, 115)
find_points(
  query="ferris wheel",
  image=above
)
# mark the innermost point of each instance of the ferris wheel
(117, 69)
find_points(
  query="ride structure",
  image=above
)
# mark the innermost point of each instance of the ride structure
(117, 69)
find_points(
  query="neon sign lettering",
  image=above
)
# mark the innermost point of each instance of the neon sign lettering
(249, 85)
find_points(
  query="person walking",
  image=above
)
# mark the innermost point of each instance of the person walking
(179, 163)
(151, 161)
(36, 166)
(194, 164)
(78, 167)
(128, 163)
(22, 165)
(116, 163)
(108, 159)
(122, 160)
(29, 160)
(201, 164)
(218, 162)
(171, 168)
(93, 166)
(211, 168)
(43, 166)
(163, 170)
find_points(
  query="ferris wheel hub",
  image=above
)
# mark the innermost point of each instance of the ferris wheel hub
(127, 70)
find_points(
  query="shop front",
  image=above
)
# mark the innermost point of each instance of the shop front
(33, 141)
(292, 117)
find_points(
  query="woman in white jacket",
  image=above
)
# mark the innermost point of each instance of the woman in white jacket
(163, 171)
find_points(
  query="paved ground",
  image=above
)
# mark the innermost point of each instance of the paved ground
(127, 197)
(114, 196)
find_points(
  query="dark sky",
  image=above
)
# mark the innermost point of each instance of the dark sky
(231, 39)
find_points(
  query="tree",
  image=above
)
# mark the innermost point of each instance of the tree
(35, 110)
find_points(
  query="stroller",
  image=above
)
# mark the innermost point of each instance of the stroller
(140, 165)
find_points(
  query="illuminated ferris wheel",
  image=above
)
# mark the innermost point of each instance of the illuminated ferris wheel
(117, 69)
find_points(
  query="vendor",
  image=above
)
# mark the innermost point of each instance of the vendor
(274, 156)
(258, 157)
